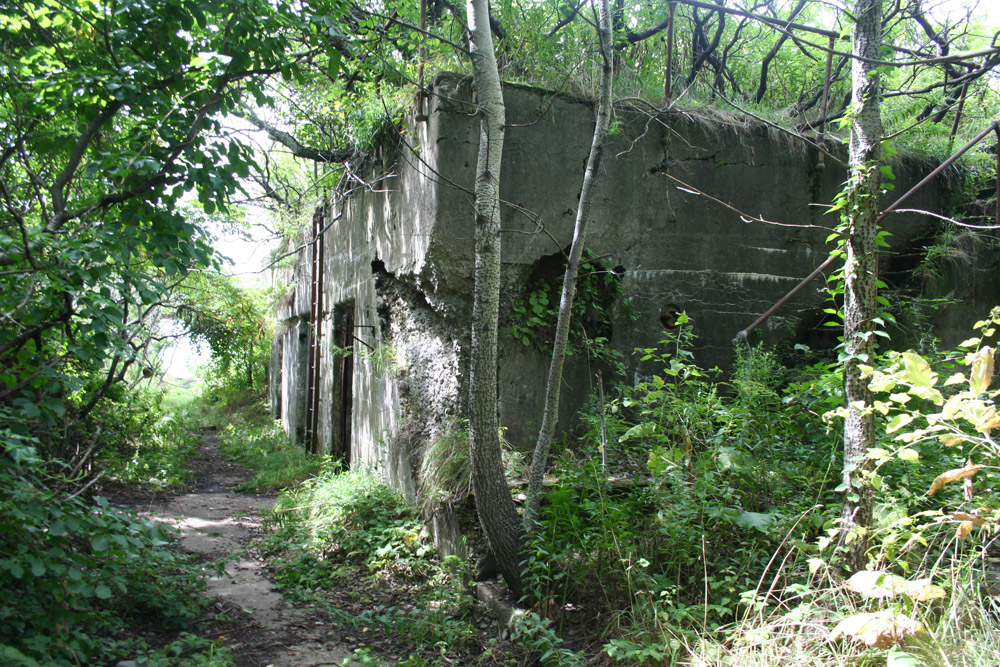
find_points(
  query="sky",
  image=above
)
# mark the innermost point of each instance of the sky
(248, 253)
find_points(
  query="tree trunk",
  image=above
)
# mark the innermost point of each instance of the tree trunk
(860, 282)
(550, 414)
(494, 504)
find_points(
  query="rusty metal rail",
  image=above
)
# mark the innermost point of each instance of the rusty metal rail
(994, 127)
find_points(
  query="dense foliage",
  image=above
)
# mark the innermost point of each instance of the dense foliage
(233, 320)
(74, 574)
(713, 511)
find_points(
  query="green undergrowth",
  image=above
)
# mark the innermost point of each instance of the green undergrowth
(79, 577)
(352, 545)
(706, 531)
(709, 480)
(264, 447)
(148, 437)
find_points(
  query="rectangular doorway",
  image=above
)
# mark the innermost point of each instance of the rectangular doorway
(343, 399)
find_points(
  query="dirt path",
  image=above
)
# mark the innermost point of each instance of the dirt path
(261, 628)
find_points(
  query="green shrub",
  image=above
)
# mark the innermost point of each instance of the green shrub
(711, 480)
(339, 520)
(145, 442)
(348, 525)
(72, 571)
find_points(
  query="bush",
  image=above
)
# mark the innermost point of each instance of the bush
(722, 476)
(74, 572)
(145, 442)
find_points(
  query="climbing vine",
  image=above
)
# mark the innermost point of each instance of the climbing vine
(533, 317)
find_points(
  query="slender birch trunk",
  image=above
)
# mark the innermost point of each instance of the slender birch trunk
(860, 281)
(494, 504)
(551, 409)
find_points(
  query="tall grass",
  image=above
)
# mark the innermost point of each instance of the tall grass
(266, 449)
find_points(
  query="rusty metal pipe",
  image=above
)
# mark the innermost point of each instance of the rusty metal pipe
(994, 127)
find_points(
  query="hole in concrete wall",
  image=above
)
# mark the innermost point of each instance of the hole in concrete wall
(598, 290)
(668, 317)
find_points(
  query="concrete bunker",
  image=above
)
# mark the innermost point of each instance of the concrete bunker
(383, 294)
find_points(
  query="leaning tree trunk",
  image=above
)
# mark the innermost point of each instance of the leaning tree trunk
(494, 504)
(860, 282)
(550, 412)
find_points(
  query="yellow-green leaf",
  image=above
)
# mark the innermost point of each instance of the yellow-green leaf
(908, 455)
(956, 378)
(898, 422)
(917, 371)
(877, 584)
(982, 370)
(880, 629)
(951, 440)
(952, 476)
(930, 592)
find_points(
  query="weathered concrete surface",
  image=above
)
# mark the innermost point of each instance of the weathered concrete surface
(398, 262)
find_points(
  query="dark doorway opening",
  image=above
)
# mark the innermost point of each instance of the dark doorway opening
(343, 386)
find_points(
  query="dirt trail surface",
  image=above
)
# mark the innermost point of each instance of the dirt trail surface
(260, 626)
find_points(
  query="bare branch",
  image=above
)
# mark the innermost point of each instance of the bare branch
(339, 155)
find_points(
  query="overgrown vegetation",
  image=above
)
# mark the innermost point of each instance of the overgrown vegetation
(264, 447)
(346, 541)
(599, 300)
(710, 534)
(714, 539)
(148, 439)
(76, 574)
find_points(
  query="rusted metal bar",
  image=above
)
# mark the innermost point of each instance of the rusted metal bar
(994, 127)
(318, 335)
(310, 416)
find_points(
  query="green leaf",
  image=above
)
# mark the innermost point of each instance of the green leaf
(756, 520)
(917, 371)
(102, 591)
(333, 67)
(15, 568)
(897, 658)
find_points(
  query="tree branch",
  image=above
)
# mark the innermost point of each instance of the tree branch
(339, 155)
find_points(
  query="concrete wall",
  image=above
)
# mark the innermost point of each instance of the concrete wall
(398, 261)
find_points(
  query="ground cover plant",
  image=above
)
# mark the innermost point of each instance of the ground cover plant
(76, 575)
(722, 549)
(148, 435)
(345, 541)
(260, 443)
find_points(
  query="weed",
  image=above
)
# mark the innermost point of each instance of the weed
(142, 442)
(266, 449)
(344, 527)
